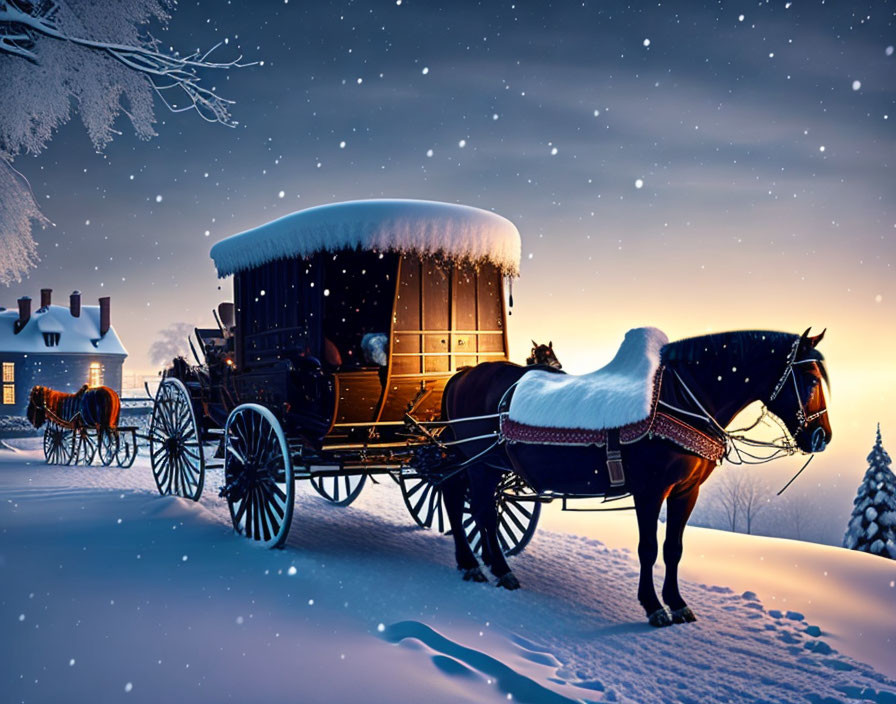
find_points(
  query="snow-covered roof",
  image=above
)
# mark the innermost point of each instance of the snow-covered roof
(428, 227)
(79, 335)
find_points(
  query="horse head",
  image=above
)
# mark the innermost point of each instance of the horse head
(544, 354)
(798, 398)
(37, 409)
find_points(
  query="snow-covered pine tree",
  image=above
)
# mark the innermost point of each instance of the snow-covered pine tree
(872, 527)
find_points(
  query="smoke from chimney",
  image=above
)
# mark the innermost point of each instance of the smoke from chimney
(24, 313)
(105, 322)
(46, 295)
(74, 304)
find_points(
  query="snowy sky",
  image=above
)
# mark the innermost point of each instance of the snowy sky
(694, 166)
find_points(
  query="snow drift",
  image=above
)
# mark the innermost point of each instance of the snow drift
(109, 592)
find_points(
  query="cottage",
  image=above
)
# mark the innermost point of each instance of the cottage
(63, 347)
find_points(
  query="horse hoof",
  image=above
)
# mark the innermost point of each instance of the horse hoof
(508, 581)
(660, 618)
(683, 615)
(474, 574)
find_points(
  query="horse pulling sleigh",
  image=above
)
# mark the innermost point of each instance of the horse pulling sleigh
(369, 338)
(82, 427)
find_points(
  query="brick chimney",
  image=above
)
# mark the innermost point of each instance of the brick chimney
(105, 322)
(74, 304)
(24, 313)
(46, 296)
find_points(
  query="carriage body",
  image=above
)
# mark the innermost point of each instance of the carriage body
(340, 345)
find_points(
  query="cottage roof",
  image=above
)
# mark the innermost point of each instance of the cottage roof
(79, 335)
(428, 227)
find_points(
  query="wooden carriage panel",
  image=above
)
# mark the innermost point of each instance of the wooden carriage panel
(407, 316)
(425, 401)
(358, 396)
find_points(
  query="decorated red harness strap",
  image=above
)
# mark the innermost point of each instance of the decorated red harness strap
(658, 424)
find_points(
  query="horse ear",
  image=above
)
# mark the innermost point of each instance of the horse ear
(534, 343)
(813, 341)
(551, 344)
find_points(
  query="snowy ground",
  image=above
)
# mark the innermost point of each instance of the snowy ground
(109, 592)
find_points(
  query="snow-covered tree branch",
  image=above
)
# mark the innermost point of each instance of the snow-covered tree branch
(97, 59)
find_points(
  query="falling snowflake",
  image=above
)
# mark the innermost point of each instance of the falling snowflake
(158, 199)
(856, 85)
(425, 70)
(639, 183)
(646, 42)
(462, 143)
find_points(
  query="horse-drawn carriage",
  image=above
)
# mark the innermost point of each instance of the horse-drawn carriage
(370, 338)
(83, 427)
(347, 322)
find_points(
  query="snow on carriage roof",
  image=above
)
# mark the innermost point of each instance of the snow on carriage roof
(422, 226)
(79, 335)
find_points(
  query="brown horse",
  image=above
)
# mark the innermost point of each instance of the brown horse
(706, 381)
(96, 407)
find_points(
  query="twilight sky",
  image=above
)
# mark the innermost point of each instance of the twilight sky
(694, 166)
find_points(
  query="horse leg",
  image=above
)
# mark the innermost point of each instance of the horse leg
(678, 510)
(647, 508)
(483, 486)
(453, 490)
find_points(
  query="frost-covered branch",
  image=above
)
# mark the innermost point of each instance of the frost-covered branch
(20, 29)
(96, 59)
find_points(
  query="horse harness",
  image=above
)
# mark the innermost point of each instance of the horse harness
(658, 424)
(711, 444)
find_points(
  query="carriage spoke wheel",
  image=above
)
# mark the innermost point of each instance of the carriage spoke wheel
(86, 446)
(424, 502)
(339, 490)
(57, 444)
(517, 519)
(108, 446)
(175, 452)
(126, 448)
(258, 475)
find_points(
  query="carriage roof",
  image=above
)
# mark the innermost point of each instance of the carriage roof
(426, 227)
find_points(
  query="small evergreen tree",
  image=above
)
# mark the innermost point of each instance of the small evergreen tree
(872, 527)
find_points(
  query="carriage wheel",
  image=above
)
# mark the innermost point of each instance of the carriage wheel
(517, 519)
(126, 448)
(175, 452)
(424, 502)
(57, 444)
(339, 490)
(258, 475)
(108, 446)
(84, 447)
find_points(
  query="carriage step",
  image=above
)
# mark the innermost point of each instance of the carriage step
(214, 466)
(215, 431)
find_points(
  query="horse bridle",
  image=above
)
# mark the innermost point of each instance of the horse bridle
(802, 418)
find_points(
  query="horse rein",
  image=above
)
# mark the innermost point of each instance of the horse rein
(802, 418)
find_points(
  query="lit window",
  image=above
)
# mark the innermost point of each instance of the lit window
(9, 394)
(95, 374)
(9, 372)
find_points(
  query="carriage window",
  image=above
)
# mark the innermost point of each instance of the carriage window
(95, 374)
(9, 394)
(359, 289)
(9, 372)
(51, 339)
